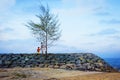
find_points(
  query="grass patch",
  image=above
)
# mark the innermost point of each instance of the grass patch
(19, 75)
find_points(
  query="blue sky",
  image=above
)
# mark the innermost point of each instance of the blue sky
(87, 26)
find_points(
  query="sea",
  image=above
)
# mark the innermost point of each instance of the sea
(114, 62)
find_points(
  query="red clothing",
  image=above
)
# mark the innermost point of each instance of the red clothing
(38, 49)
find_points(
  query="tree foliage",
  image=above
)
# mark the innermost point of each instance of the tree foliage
(47, 30)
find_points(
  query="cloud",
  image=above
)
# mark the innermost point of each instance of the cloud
(18, 46)
(6, 29)
(15, 29)
(102, 13)
(62, 48)
(117, 37)
(6, 4)
(78, 18)
(84, 6)
(84, 2)
(111, 21)
(106, 32)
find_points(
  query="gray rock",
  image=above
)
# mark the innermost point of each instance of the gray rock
(1, 62)
(77, 61)
(82, 61)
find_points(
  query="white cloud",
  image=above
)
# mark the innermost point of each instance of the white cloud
(79, 20)
(6, 4)
(86, 5)
(15, 29)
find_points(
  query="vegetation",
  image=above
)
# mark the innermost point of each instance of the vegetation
(47, 30)
(19, 75)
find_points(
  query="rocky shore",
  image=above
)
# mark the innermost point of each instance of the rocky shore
(73, 61)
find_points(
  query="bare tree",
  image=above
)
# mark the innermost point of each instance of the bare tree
(47, 30)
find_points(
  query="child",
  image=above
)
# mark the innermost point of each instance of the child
(38, 50)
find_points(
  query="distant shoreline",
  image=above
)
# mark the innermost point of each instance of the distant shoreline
(114, 62)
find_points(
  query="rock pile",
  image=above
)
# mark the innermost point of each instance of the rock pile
(74, 61)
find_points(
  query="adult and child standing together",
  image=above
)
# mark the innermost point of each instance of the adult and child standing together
(41, 49)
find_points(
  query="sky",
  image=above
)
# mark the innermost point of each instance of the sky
(88, 26)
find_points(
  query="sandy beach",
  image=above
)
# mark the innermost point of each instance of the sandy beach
(54, 74)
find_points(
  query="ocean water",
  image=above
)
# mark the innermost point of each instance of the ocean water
(114, 62)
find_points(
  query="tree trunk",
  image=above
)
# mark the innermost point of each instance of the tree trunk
(46, 45)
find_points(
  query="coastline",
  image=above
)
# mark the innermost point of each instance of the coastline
(114, 62)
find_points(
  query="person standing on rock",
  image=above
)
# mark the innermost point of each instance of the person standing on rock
(38, 50)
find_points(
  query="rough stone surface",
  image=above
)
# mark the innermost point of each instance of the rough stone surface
(73, 61)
